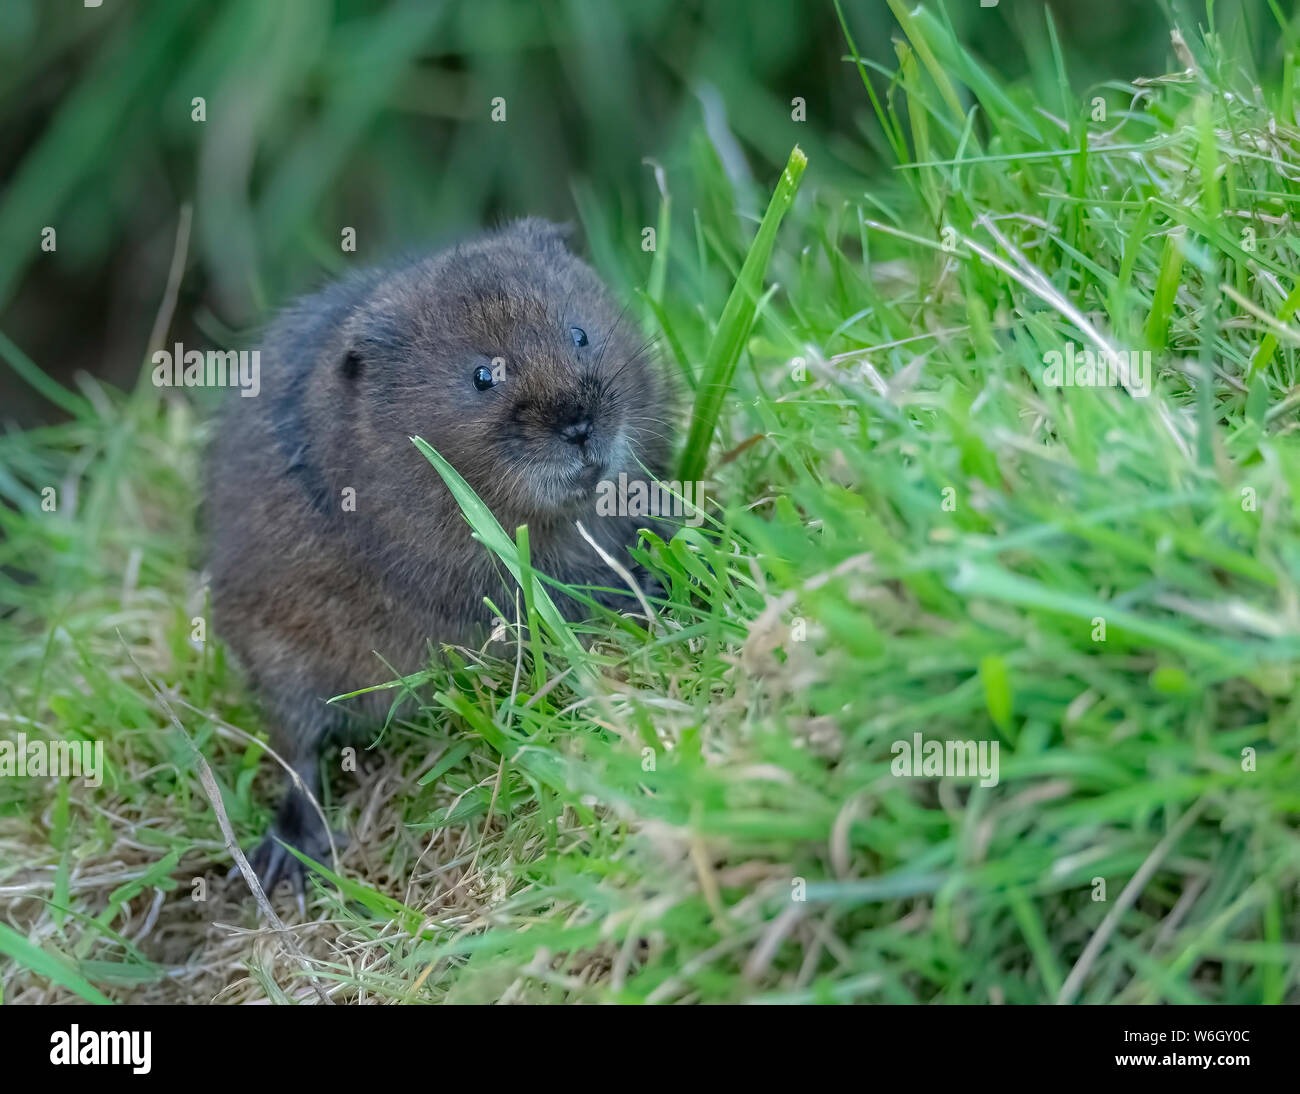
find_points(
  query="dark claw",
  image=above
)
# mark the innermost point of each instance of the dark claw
(272, 862)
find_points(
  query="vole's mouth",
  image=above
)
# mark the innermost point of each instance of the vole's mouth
(571, 482)
(576, 484)
(572, 486)
(588, 475)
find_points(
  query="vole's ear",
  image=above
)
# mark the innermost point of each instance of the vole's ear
(352, 366)
(544, 235)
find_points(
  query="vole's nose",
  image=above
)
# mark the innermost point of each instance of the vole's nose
(578, 432)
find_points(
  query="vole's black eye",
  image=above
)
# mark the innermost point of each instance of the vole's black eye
(482, 377)
(579, 336)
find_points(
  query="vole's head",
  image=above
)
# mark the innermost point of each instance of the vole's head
(509, 357)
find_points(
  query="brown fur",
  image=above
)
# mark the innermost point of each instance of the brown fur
(308, 594)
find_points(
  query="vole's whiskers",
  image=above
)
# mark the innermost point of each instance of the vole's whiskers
(610, 337)
(650, 343)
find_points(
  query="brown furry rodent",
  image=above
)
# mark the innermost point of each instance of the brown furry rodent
(509, 357)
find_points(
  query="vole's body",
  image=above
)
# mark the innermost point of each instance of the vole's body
(336, 544)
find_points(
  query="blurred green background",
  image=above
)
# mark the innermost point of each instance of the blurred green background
(377, 116)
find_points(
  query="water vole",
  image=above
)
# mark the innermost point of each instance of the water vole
(333, 540)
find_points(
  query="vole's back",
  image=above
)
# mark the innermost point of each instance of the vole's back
(290, 593)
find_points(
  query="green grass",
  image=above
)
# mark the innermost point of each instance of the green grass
(914, 533)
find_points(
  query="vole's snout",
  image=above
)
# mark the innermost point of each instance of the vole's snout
(580, 438)
(576, 418)
(577, 432)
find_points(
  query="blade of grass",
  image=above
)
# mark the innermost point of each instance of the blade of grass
(733, 328)
(48, 966)
(30, 373)
(490, 533)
